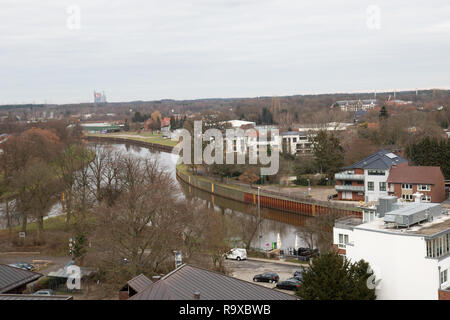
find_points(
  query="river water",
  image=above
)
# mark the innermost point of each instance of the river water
(275, 223)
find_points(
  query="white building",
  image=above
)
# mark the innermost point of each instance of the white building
(239, 123)
(407, 245)
(366, 180)
(296, 142)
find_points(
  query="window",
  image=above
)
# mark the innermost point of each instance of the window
(382, 186)
(443, 277)
(424, 187)
(294, 139)
(375, 172)
(343, 240)
(407, 197)
(439, 246)
(370, 186)
(407, 186)
(426, 199)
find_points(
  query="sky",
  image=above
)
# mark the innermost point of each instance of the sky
(58, 51)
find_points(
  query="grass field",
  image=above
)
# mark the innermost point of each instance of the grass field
(143, 136)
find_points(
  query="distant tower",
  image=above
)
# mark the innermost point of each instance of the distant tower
(395, 93)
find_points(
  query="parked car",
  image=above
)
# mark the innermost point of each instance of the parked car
(298, 274)
(266, 277)
(45, 292)
(237, 254)
(23, 265)
(289, 284)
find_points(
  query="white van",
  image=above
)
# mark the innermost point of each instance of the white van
(237, 254)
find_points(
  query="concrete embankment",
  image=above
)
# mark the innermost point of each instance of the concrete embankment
(238, 193)
(277, 202)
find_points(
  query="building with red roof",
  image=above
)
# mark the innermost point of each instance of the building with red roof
(404, 181)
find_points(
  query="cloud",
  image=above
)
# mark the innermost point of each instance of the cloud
(207, 48)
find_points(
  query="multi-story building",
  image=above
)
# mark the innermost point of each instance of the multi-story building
(296, 142)
(366, 180)
(404, 181)
(407, 246)
(356, 105)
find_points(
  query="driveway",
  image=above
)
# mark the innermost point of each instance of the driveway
(55, 264)
(246, 269)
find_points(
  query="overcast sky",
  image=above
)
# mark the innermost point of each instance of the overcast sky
(181, 49)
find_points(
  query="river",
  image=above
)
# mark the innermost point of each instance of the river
(274, 223)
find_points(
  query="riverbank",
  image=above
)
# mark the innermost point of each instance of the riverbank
(152, 139)
(246, 194)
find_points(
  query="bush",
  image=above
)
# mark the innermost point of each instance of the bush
(301, 182)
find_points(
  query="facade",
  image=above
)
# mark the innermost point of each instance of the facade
(410, 261)
(366, 180)
(296, 142)
(356, 105)
(404, 181)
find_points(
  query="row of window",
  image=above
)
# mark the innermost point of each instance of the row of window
(343, 240)
(410, 197)
(371, 186)
(376, 172)
(439, 246)
(420, 187)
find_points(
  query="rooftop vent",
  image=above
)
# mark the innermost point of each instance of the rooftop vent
(197, 295)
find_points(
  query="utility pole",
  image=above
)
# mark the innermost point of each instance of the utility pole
(259, 220)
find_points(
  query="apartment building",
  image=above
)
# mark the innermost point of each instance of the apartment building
(407, 245)
(296, 142)
(356, 105)
(404, 181)
(366, 180)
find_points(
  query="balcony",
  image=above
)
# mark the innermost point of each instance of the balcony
(350, 188)
(348, 176)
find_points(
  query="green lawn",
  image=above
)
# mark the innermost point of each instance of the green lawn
(143, 136)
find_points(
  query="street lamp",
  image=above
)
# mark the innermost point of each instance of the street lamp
(259, 219)
(309, 187)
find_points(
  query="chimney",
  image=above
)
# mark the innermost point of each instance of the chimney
(196, 295)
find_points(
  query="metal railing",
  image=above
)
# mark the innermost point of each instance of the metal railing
(348, 176)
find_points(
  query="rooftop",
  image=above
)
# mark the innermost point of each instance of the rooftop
(139, 283)
(33, 297)
(12, 277)
(415, 174)
(382, 159)
(183, 282)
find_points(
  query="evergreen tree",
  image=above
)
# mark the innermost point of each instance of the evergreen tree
(383, 113)
(333, 277)
(328, 153)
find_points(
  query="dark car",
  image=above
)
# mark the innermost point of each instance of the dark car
(289, 284)
(266, 277)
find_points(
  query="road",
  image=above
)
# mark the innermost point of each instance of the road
(246, 269)
(55, 264)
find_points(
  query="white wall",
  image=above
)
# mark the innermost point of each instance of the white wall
(374, 195)
(400, 261)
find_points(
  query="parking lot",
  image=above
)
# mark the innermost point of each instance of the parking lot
(246, 269)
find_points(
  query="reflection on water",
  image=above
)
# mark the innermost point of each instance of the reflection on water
(274, 223)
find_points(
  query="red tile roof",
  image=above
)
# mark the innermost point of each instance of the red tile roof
(415, 174)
